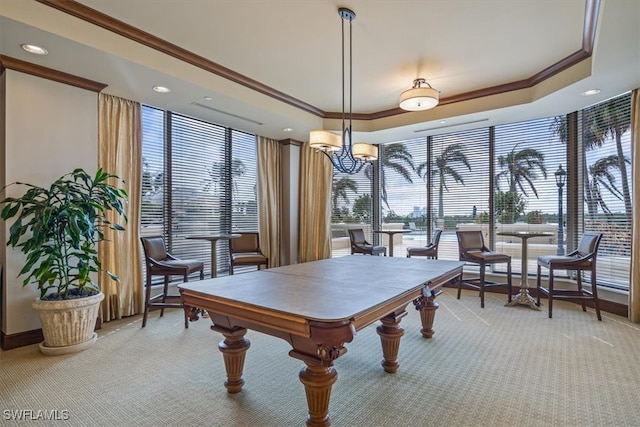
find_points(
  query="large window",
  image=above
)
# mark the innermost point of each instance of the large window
(526, 198)
(461, 185)
(198, 178)
(403, 197)
(559, 175)
(606, 185)
(351, 207)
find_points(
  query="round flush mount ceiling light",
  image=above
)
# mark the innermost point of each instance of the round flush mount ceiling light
(32, 48)
(419, 98)
(590, 92)
(161, 89)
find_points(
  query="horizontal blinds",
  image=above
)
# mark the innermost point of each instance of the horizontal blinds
(197, 202)
(244, 189)
(153, 173)
(606, 142)
(527, 154)
(191, 184)
(244, 178)
(152, 217)
(460, 185)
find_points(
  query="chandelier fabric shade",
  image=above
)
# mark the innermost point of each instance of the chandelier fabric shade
(324, 140)
(419, 98)
(364, 151)
(346, 156)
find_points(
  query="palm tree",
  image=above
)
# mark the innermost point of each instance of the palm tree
(152, 182)
(340, 187)
(600, 175)
(362, 208)
(560, 127)
(393, 157)
(444, 167)
(611, 119)
(608, 119)
(216, 175)
(238, 169)
(519, 168)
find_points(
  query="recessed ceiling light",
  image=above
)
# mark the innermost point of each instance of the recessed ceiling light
(161, 89)
(590, 92)
(287, 130)
(36, 50)
(207, 98)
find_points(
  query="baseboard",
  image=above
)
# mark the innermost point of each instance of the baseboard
(21, 339)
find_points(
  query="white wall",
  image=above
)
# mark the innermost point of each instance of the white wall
(50, 129)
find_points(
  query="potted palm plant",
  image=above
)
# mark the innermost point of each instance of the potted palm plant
(58, 229)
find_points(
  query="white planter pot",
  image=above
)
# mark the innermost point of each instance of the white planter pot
(68, 326)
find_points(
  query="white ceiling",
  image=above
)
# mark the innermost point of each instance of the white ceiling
(293, 48)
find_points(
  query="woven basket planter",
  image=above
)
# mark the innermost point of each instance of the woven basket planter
(68, 326)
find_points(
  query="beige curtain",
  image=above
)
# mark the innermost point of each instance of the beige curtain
(269, 198)
(634, 285)
(316, 173)
(120, 153)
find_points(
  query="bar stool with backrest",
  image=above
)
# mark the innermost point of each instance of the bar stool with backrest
(430, 250)
(245, 250)
(471, 249)
(582, 259)
(359, 244)
(159, 262)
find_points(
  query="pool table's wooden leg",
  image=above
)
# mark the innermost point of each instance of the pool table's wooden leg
(234, 349)
(318, 380)
(427, 307)
(390, 333)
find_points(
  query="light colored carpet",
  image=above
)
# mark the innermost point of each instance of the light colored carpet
(496, 366)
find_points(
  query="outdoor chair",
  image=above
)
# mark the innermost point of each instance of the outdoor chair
(430, 250)
(582, 259)
(245, 251)
(159, 262)
(471, 249)
(359, 244)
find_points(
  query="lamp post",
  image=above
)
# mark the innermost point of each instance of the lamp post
(561, 178)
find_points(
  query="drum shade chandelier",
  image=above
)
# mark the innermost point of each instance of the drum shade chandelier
(345, 155)
(419, 98)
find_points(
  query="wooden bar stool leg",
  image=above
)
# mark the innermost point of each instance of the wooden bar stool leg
(550, 293)
(509, 281)
(147, 297)
(164, 295)
(482, 266)
(579, 283)
(538, 292)
(594, 291)
(186, 317)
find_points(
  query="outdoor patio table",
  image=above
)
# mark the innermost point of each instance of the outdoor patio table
(523, 297)
(391, 233)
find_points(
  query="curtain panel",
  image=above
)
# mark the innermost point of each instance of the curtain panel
(634, 285)
(269, 198)
(120, 153)
(316, 173)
